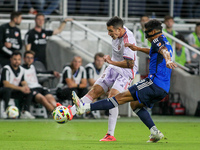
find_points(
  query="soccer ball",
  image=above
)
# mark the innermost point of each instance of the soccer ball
(61, 114)
(12, 112)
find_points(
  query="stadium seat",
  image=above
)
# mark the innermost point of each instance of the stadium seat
(38, 110)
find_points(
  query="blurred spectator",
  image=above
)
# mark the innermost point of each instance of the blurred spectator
(50, 5)
(169, 22)
(10, 38)
(14, 86)
(95, 70)
(35, 39)
(182, 55)
(40, 94)
(73, 79)
(29, 5)
(140, 36)
(194, 39)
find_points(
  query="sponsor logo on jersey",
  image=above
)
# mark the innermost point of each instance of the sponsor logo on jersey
(16, 33)
(159, 44)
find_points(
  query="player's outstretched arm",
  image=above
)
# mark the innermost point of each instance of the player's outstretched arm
(167, 57)
(62, 26)
(126, 63)
(136, 48)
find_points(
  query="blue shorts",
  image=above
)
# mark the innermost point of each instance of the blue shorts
(147, 92)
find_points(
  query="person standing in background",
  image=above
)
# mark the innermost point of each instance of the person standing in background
(36, 38)
(10, 38)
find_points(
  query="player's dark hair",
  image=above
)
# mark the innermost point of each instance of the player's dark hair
(99, 55)
(115, 22)
(15, 14)
(168, 17)
(153, 24)
(29, 52)
(15, 53)
(39, 14)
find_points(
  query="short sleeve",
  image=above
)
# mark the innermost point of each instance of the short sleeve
(158, 44)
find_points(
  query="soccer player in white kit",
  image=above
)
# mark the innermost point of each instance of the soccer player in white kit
(118, 75)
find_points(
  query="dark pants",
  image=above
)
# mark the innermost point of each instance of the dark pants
(66, 94)
(24, 100)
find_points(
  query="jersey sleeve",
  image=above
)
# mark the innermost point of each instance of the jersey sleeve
(49, 32)
(67, 74)
(84, 74)
(128, 53)
(1, 37)
(5, 75)
(28, 38)
(89, 73)
(158, 44)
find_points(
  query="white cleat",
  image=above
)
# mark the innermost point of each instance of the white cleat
(79, 104)
(155, 137)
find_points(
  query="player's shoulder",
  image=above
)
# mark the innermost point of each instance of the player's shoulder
(89, 65)
(30, 32)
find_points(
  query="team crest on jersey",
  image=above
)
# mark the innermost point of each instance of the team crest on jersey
(119, 47)
(43, 35)
(16, 33)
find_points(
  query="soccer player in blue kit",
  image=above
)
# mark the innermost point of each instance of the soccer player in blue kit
(149, 90)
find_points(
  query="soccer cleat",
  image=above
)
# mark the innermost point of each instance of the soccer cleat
(70, 116)
(108, 138)
(79, 104)
(155, 137)
(58, 104)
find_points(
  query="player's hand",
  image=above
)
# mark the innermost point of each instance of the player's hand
(131, 46)
(8, 44)
(171, 65)
(107, 59)
(25, 89)
(56, 74)
(68, 19)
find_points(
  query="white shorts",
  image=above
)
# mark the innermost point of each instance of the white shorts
(112, 79)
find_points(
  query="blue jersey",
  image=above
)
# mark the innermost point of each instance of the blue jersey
(158, 72)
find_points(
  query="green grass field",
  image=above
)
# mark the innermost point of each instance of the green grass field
(181, 133)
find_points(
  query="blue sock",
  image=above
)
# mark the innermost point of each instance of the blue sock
(144, 115)
(104, 104)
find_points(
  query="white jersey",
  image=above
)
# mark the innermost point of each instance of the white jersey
(119, 52)
(11, 77)
(77, 76)
(92, 73)
(30, 77)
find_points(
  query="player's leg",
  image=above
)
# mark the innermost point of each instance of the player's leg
(103, 104)
(145, 117)
(51, 99)
(100, 87)
(112, 119)
(95, 92)
(39, 98)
